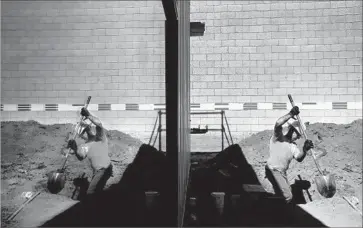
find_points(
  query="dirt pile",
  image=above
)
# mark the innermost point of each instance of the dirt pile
(30, 150)
(340, 146)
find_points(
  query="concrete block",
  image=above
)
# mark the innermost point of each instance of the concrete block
(214, 99)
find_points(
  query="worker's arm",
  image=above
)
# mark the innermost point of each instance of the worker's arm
(85, 130)
(283, 119)
(93, 119)
(80, 153)
(300, 155)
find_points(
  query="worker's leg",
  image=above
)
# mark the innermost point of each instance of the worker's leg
(282, 188)
(99, 180)
(280, 184)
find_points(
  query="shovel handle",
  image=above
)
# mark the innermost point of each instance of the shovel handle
(81, 118)
(302, 127)
(22, 206)
(74, 131)
(352, 205)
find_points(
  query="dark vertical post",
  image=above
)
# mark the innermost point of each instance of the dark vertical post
(172, 112)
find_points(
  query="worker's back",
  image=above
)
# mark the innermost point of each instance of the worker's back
(98, 152)
(281, 154)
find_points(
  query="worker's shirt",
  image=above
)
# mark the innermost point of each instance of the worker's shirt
(97, 152)
(281, 154)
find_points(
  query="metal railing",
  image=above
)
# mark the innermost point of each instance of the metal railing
(223, 129)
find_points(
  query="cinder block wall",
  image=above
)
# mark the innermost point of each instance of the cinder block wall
(252, 55)
(56, 53)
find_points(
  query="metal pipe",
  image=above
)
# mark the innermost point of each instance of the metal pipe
(202, 113)
(156, 137)
(160, 131)
(225, 133)
(152, 133)
(230, 135)
(222, 130)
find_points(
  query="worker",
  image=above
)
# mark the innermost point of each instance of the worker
(95, 149)
(283, 150)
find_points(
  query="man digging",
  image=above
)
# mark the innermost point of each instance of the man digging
(96, 149)
(282, 150)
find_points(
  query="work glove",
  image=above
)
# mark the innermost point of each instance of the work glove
(72, 144)
(308, 145)
(85, 112)
(294, 111)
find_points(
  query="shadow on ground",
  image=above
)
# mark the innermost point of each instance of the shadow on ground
(124, 204)
(229, 172)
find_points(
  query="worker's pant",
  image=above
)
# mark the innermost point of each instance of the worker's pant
(99, 180)
(280, 183)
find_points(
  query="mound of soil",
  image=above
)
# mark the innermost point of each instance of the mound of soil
(340, 150)
(30, 151)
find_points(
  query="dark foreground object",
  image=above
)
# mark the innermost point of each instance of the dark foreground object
(125, 203)
(245, 202)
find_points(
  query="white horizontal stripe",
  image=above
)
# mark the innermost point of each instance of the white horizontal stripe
(208, 106)
(93, 107)
(146, 107)
(10, 107)
(263, 106)
(310, 107)
(354, 105)
(235, 106)
(37, 107)
(68, 107)
(118, 107)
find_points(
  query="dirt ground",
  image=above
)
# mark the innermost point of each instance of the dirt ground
(29, 151)
(341, 147)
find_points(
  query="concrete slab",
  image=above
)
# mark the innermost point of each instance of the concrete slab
(43, 208)
(333, 212)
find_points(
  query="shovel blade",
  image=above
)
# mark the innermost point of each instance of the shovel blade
(56, 182)
(326, 185)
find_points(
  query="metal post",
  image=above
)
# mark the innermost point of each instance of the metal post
(228, 128)
(159, 130)
(172, 113)
(222, 130)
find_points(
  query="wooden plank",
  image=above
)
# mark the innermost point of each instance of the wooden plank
(253, 188)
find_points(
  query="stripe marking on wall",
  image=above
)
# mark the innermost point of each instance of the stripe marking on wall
(279, 106)
(250, 106)
(340, 105)
(104, 107)
(51, 107)
(264, 106)
(193, 106)
(24, 107)
(132, 107)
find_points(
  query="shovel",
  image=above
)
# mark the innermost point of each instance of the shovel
(56, 180)
(326, 182)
